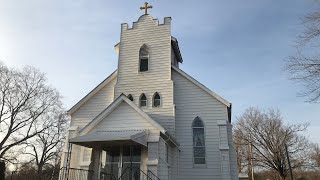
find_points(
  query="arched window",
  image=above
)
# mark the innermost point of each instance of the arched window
(156, 100)
(199, 150)
(130, 97)
(143, 100)
(144, 58)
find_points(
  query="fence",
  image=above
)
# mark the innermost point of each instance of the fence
(61, 174)
(33, 175)
(129, 173)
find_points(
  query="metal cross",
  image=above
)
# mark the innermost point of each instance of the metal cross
(146, 7)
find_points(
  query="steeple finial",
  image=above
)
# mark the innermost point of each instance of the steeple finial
(146, 7)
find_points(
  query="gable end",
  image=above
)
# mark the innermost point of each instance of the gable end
(93, 92)
(201, 86)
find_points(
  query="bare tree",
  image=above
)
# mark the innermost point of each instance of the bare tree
(242, 152)
(304, 67)
(45, 147)
(315, 155)
(268, 136)
(26, 103)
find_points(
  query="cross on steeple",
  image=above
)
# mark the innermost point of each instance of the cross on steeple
(146, 7)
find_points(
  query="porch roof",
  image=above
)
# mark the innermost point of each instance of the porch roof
(93, 139)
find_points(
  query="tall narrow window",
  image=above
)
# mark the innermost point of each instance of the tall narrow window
(144, 58)
(143, 100)
(130, 97)
(199, 150)
(156, 100)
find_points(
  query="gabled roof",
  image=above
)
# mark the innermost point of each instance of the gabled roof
(113, 106)
(107, 137)
(216, 96)
(93, 92)
(175, 46)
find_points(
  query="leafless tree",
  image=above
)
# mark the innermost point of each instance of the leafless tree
(268, 136)
(304, 67)
(315, 155)
(26, 104)
(242, 152)
(45, 147)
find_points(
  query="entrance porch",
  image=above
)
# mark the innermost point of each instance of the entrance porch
(127, 162)
(116, 155)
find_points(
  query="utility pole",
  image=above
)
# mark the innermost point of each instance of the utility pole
(285, 145)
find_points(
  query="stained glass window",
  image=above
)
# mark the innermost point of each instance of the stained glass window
(199, 150)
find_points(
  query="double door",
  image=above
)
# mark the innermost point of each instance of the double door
(121, 162)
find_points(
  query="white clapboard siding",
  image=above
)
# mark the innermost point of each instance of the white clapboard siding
(173, 162)
(94, 105)
(163, 168)
(191, 101)
(232, 155)
(124, 117)
(158, 78)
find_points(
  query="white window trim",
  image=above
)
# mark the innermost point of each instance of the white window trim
(154, 99)
(143, 100)
(148, 57)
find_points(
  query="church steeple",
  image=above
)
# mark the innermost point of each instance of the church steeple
(147, 53)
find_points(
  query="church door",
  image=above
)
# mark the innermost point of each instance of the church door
(121, 163)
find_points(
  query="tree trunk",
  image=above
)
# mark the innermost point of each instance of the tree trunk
(2, 170)
(282, 177)
(39, 171)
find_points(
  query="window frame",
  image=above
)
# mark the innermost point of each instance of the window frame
(193, 145)
(153, 100)
(146, 100)
(144, 57)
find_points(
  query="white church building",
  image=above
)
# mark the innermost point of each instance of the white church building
(149, 119)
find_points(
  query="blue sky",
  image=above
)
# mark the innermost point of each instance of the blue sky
(236, 48)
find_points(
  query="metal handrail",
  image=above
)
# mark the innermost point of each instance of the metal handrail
(151, 174)
(106, 175)
(148, 176)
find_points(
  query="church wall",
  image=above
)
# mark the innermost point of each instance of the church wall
(94, 105)
(173, 162)
(191, 101)
(144, 159)
(81, 156)
(75, 153)
(163, 166)
(158, 77)
(232, 154)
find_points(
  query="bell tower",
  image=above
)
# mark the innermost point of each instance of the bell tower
(144, 67)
